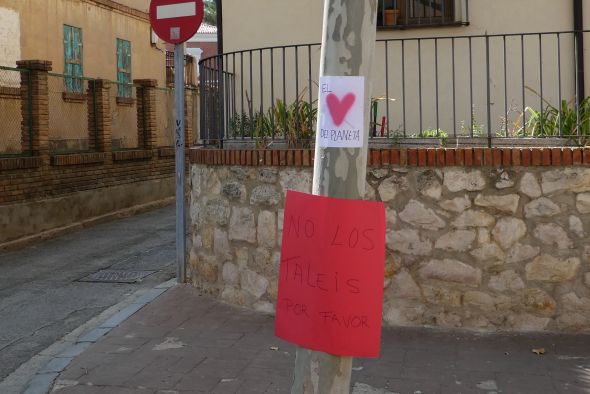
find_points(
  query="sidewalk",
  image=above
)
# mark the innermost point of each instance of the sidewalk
(185, 342)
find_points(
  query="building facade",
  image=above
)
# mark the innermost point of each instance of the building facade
(88, 33)
(84, 40)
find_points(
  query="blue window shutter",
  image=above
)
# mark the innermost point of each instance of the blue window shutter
(67, 58)
(78, 57)
(124, 67)
(73, 68)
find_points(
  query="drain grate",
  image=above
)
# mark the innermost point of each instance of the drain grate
(116, 276)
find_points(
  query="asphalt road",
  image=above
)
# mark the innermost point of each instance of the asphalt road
(41, 297)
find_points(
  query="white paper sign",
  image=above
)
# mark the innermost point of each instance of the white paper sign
(341, 109)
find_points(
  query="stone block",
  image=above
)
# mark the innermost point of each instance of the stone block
(459, 179)
(547, 268)
(268, 174)
(508, 231)
(295, 179)
(408, 242)
(541, 207)
(505, 203)
(529, 186)
(539, 302)
(234, 191)
(265, 195)
(457, 204)
(221, 246)
(576, 226)
(416, 214)
(552, 234)
(583, 203)
(473, 218)
(504, 181)
(217, 211)
(489, 252)
(450, 270)
(458, 240)
(528, 322)
(575, 180)
(429, 185)
(267, 229)
(506, 281)
(392, 186)
(403, 286)
(403, 315)
(521, 252)
(230, 274)
(242, 226)
(572, 303)
(253, 283)
(441, 296)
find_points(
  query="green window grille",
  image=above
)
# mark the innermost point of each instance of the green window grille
(408, 13)
(123, 68)
(73, 70)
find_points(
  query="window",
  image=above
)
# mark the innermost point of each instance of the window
(123, 68)
(413, 13)
(73, 71)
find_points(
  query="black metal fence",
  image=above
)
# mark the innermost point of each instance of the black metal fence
(503, 89)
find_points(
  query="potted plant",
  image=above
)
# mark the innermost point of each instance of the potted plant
(390, 16)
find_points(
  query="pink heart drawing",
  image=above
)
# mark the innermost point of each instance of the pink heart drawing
(339, 108)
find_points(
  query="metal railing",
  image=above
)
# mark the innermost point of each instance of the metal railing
(504, 89)
(15, 113)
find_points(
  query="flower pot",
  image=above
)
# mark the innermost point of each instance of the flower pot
(390, 17)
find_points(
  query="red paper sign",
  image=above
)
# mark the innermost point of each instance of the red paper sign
(331, 275)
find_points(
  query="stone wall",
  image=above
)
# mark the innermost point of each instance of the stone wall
(486, 248)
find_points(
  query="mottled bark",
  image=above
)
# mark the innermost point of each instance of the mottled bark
(348, 47)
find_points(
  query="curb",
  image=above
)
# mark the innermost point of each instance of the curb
(42, 381)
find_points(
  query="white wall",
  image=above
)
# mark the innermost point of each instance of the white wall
(9, 37)
(263, 23)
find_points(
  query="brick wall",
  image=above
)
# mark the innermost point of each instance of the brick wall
(52, 186)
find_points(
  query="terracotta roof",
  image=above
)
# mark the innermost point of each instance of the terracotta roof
(206, 28)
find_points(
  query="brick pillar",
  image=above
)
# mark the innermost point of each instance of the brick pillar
(147, 127)
(190, 99)
(99, 116)
(35, 108)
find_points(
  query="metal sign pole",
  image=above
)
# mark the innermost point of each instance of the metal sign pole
(179, 154)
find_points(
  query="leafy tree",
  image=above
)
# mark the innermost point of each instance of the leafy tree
(210, 12)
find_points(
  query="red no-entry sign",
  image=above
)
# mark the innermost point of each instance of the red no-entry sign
(175, 21)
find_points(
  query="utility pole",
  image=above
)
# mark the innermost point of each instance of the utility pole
(348, 48)
(179, 163)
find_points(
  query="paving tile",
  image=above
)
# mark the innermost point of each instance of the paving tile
(407, 386)
(572, 387)
(376, 368)
(525, 384)
(228, 350)
(121, 316)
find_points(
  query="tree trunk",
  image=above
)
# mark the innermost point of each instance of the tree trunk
(348, 48)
